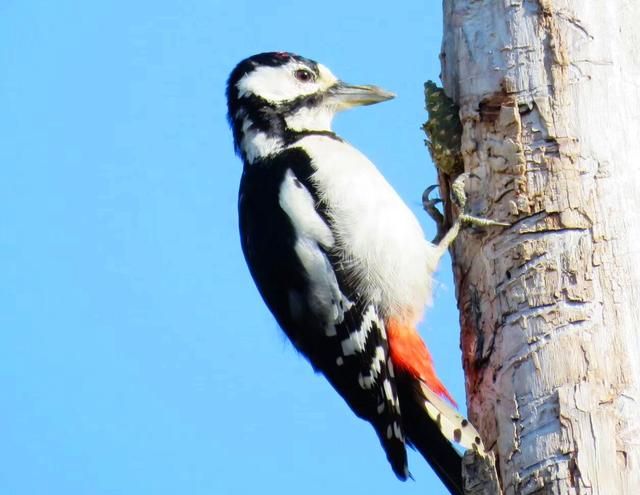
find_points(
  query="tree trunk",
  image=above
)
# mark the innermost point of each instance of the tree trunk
(549, 95)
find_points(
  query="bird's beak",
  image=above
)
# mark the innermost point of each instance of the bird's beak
(345, 96)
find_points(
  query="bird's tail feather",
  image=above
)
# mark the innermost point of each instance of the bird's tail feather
(454, 426)
(430, 423)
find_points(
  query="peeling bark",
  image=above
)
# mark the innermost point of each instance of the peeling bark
(479, 474)
(549, 96)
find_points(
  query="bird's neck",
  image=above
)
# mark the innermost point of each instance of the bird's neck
(265, 131)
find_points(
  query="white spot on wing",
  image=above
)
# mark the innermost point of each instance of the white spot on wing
(299, 205)
(324, 297)
(390, 368)
(397, 431)
(388, 391)
(357, 339)
(389, 394)
(378, 360)
(365, 382)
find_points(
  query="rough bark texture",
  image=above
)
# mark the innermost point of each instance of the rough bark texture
(479, 474)
(549, 93)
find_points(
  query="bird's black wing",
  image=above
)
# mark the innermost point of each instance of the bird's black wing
(286, 238)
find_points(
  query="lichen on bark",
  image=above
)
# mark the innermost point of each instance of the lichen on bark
(443, 130)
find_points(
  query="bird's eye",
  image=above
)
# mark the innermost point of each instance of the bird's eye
(303, 75)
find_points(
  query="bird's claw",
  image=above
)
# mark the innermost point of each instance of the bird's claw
(430, 206)
(481, 222)
(459, 197)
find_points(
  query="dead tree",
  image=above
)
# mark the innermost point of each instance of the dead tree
(549, 98)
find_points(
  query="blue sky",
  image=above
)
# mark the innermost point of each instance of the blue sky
(136, 356)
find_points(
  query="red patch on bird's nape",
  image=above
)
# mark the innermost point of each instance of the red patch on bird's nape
(282, 55)
(409, 354)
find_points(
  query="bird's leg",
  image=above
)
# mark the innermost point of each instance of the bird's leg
(459, 197)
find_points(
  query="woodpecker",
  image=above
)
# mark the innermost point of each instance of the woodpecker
(338, 257)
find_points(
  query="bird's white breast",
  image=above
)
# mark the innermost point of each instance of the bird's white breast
(377, 235)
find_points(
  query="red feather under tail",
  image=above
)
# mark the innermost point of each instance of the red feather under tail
(409, 354)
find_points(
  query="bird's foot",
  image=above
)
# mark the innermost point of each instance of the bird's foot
(459, 197)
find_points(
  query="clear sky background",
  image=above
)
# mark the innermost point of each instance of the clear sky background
(136, 356)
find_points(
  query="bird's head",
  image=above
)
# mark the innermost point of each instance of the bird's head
(274, 97)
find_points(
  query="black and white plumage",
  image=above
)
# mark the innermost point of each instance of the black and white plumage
(337, 256)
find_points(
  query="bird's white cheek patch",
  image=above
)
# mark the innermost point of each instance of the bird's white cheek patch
(275, 84)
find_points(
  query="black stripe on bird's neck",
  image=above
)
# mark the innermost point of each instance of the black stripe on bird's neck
(293, 136)
(256, 114)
